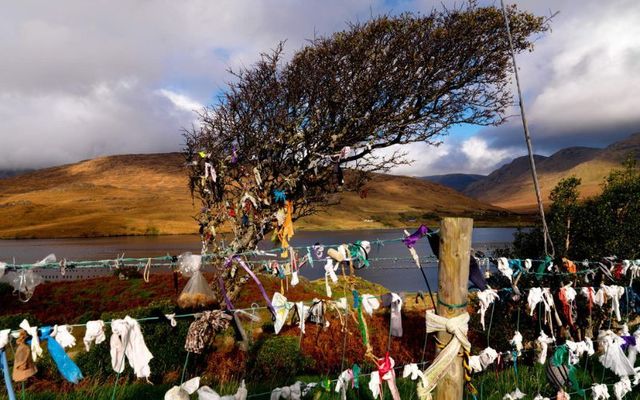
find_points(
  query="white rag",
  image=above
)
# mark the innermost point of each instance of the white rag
(544, 341)
(36, 350)
(534, 298)
(342, 383)
(503, 266)
(486, 298)
(577, 349)
(94, 333)
(412, 370)
(294, 278)
(527, 264)
(622, 387)
(369, 303)
(599, 391)
(515, 395)
(62, 335)
(329, 272)
(127, 340)
(612, 356)
(480, 362)
(183, 391)
(282, 307)
(456, 326)
(172, 319)
(4, 338)
(516, 342)
(614, 292)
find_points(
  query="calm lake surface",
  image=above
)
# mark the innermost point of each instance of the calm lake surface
(395, 275)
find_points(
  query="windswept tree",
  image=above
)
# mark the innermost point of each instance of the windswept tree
(274, 146)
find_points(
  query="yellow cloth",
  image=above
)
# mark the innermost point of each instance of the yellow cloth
(286, 231)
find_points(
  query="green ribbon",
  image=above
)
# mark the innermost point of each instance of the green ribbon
(356, 375)
(560, 357)
(542, 266)
(357, 301)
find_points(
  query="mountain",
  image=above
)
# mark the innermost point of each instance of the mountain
(511, 187)
(8, 173)
(147, 194)
(457, 182)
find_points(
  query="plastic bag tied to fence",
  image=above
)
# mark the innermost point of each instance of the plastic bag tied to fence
(197, 292)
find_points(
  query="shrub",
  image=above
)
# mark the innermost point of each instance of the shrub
(278, 360)
(165, 343)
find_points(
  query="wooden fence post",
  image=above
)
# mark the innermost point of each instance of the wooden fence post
(453, 278)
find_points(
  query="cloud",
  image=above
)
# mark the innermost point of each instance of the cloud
(473, 155)
(180, 100)
(581, 82)
(83, 79)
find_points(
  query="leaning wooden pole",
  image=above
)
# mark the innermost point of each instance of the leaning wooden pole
(453, 279)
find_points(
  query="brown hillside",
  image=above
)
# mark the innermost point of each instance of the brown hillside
(510, 186)
(147, 194)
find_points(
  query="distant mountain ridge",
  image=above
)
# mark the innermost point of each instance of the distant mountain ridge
(8, 173)
(511, 187)
(457, 182)
(141, 194)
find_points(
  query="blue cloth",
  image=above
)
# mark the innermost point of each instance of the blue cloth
(66, 366)
(7, 377)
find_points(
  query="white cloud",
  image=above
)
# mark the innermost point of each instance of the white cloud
(84, 79)
(180, 100)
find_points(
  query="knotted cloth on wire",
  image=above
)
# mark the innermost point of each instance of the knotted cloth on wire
(456, 326)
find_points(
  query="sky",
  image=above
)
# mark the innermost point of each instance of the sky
(83, 79)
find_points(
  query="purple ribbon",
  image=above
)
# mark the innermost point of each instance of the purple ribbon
(255, 278)
(412, 239)
(628, 341)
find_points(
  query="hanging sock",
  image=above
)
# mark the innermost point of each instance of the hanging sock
(68, 369)
(544, 341)
(540, 397)
(4, 366)
(23, 365)
(486, 298)
(456, 326)
(94, 334)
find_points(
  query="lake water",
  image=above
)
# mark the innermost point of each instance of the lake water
(395, 275)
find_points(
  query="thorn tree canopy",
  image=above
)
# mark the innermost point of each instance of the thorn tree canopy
(273, 147)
